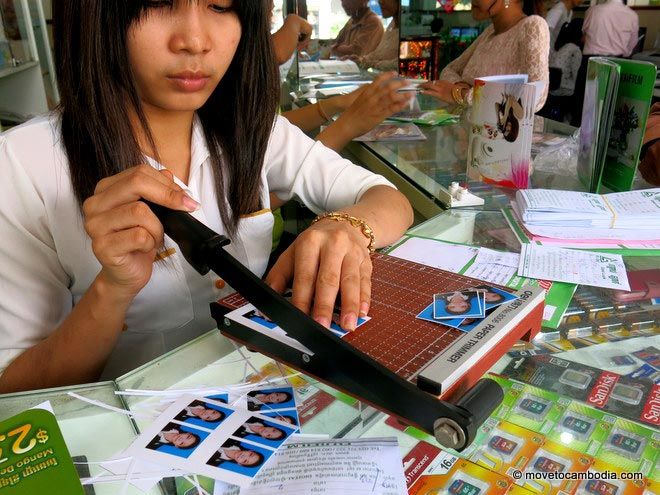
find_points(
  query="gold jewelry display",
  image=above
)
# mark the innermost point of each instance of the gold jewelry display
(355, 222)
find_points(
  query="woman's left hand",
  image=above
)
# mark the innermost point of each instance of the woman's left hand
(327, 259)
(439, 89)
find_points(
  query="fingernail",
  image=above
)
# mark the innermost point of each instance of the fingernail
(190, 204)
(349, 322)
(364, 309)
(321, 320)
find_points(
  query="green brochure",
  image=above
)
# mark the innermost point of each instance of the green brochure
(599, 92)
(631, 109)
(617, 98)
(34, 458)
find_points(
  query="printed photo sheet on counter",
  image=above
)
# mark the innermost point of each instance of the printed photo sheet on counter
(208, 437)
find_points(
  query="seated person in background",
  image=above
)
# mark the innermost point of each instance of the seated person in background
(610, 29)
(293, 35)
(361, 111)
(649, 165)
(567, 56)
(386, 54)
(559, 15)
(518, 42)
(361, 34)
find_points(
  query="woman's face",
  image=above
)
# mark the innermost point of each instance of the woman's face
(207, 414)
(180, 439)
(274, 398)
(179, 54)
(352, 6)
(271, 433)
(492, 296)
(458, 305)
(484, 9)
(244, 457)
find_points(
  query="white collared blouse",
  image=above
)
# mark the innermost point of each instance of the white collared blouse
(46, 260)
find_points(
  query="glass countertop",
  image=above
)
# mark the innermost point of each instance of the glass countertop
(433, 164)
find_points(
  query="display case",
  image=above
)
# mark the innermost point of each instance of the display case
(433, 34)
(22, 89)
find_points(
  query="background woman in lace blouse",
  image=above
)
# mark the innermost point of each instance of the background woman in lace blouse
(517, 42)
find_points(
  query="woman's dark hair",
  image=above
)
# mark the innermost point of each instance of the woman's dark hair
(500, 297)
(254, 394)
(287, 419)
(219, 418)
(287, 395)
(512, 134)
(98, 94)
(533, 7)
(570, 32)
(453, 312)
(193, 445)
(198, 403)
(282, 433)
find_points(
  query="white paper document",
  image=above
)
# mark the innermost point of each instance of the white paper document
(433, 253)
(328, 467)
(490, 272)
(573, 266)
(498, 257)
(497, 267)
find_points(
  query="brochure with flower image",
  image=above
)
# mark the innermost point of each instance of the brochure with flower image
(502, 121)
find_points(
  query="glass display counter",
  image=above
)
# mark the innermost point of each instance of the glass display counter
(599, 327)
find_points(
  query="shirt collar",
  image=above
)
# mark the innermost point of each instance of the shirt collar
(199, 152)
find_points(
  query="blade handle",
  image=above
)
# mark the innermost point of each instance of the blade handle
(195, 240)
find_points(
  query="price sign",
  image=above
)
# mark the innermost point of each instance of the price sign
(34, 458)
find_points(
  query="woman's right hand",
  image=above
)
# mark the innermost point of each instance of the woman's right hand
(374, 103)
(124, 231)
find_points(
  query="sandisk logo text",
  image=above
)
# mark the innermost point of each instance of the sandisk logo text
(651, 413)
(603, 388)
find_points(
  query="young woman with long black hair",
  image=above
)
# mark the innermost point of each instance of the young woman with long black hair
(173, 102)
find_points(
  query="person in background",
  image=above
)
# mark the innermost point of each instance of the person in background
(361, 111)
(649, 165)
(294, 35)
(610, 29)
(559, 15)
(567, 56)
(361, 34)
(517, 42)
(386, 54)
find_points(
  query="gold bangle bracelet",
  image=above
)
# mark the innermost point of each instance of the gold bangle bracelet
(457, 94)
(355, 222)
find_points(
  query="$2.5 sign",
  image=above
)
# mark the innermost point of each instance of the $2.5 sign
(20, 441)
